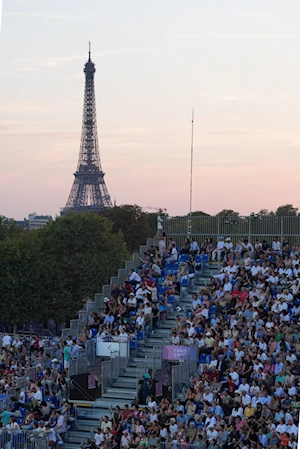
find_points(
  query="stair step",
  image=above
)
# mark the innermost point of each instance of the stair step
(113, 394)
(124, 380)
(120, 384)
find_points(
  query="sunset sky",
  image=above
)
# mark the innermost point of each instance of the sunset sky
(237, 63)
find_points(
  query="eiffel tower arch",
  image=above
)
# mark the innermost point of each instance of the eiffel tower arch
(89, 191)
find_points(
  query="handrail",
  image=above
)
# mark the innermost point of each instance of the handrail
(81, 390)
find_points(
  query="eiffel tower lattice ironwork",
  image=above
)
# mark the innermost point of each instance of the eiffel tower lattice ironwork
(89, 191)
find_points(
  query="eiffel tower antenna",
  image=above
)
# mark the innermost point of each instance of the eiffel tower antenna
(89, 191)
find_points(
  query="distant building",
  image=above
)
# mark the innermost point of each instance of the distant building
(37, 221)
(33, 221)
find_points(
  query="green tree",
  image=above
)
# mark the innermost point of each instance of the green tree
(286, 211)
(9, 228)
(135, 224)
(228, 213)
(199, 213)
(48, 273)
(79, 255)
(20, 278)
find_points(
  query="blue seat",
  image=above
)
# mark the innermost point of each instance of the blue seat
(132, 344)
(182, 258)
(213, 310)
(198, 258)
(162, 290)
(94, 332)
(140, 335)
(184, 282)
(203, 358)
(171, 299)
(205, 258)
(175, 266)
(169, 266)
(23, 411)
(133, 313)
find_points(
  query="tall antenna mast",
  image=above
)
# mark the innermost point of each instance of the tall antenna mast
(189, 230)
(89, 50)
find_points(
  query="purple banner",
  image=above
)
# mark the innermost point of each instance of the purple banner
(158, 389)
(91, 382)
(176, 352)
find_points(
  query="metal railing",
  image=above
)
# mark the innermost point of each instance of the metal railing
(19, 439)
(85, 359)
(106, 375)
(250, 227)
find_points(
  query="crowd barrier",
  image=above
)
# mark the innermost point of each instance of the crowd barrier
(22, 440)
(250, 227)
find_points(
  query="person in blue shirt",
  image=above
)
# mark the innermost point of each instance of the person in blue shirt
(181, 418)
(109, 318)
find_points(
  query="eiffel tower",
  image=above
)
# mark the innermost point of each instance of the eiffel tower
(89, 191)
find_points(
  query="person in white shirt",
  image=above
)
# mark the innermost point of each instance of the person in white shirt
(98, 437)
(155, 270)
(227, 287)
(246, 398)
(123, 336)
(234, 376)
(296, 310)
(37, 397)
(291, 358)
(287, 296)
(255, 269)
(238, 354)
(276, 245)
(173, 427)
(228, 246)
(174, 254)
(281, 427)
(292, 428)
(134, 278)
(22, 396)
(218, 251)
(231, 270)
(210, 420)
(191, 331)
(244, 386)
(6, 341)
(195, 302)
(142, 293)
(194, 247)
(131, 302)
(140, 321)
(237, 411)
(125, 439)
(175, 339)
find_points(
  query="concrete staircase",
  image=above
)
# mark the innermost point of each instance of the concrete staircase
(123, 389)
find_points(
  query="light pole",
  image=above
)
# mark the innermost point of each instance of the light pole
(189, 227)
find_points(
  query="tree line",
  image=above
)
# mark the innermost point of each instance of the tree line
(49, 272)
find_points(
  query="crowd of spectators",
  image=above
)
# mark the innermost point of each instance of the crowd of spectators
(244, 323)
(33, 385)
